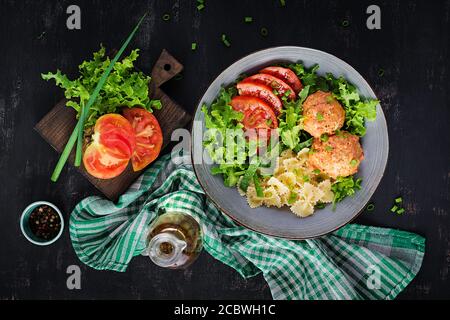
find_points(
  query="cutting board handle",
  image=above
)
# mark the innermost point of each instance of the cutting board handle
(165, 68)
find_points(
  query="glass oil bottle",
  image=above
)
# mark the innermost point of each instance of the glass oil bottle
(174, 240)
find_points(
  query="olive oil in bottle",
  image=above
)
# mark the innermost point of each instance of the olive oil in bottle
(174, 240)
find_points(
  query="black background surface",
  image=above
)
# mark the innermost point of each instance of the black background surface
(412, 48)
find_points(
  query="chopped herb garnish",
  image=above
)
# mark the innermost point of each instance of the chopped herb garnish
(345, 23)
(400, 211)
(248, 19)
(324, 137)
(316, 171)
(320, 205)
(370, 207)
(399, 200)
(354, 163)
(330, 99)
(248, 176)
(258, 188)
(380, 72)
(200, 5)
(264, 32)
(328, 148)
(292, 197)
(166, 17)
(319, 116)
(283, 3)
(41, 35)
(305, 178)
(225, 40)
(193, 46)
(394, 208)
(275, 92)
(303, 94)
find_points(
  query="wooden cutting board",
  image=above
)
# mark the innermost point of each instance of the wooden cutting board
(59, 123)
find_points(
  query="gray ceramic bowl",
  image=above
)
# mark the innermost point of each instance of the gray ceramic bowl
(281, 222)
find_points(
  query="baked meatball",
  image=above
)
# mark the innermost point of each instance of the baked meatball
(322, 114)
(336, 156)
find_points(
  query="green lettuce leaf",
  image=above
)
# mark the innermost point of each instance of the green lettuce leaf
(344, 187)
(289, 126)
(124, 87)
(222, 145)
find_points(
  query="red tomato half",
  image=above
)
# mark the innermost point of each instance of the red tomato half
(149, 138)
(273, 82)
(285, 74)
(100, 164)
(112, 146)
(262, 92)
(257, 113)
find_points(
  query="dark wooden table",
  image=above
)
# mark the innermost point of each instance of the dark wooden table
(412, 49)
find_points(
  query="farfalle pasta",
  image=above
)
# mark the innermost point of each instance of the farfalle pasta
(293, 184)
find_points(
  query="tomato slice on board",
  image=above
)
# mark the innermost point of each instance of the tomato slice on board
(285, 74)
(149, 138)
(116, 134)
(274, 83)
(257, 113)
(262, 92)
(100, 164)
(112, 145)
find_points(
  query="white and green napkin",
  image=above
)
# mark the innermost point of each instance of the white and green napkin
(355, 262)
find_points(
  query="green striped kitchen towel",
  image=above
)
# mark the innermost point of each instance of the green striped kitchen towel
(355, 262)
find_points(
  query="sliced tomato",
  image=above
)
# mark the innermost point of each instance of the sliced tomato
(112, 145)
(262, 92)
(149, 138)
(257, 113)
(102, 165)
(286, 75)
(116, 134)
(274, 83)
